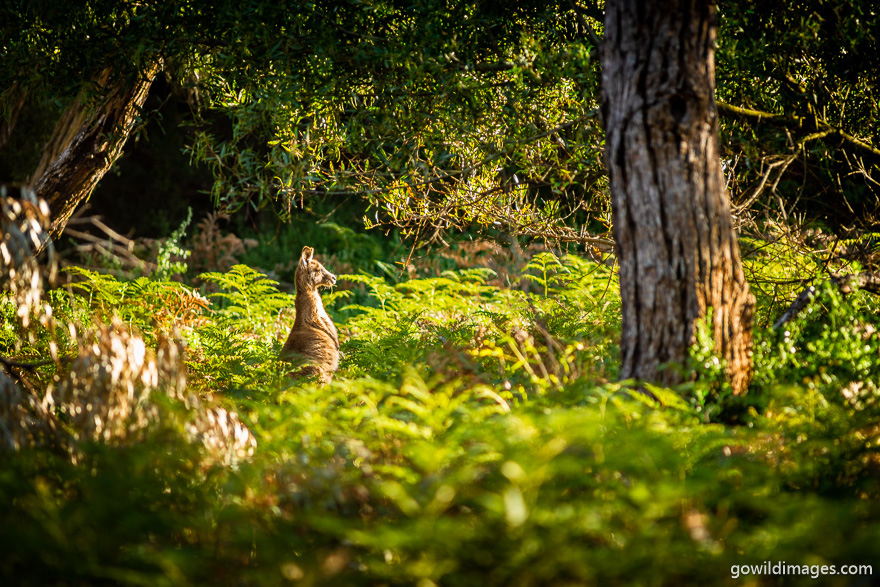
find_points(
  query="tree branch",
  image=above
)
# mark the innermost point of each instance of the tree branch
(579, 15)
(802, 301)
(22, 365)
(797, 122)
(88, 140)
(449, 175)
(848, 283)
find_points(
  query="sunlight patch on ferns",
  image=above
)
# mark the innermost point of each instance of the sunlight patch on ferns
(155, 307)
(239, 346)
(530, 342)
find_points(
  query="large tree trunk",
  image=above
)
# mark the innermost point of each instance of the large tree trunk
(87, 141)
(675, 240)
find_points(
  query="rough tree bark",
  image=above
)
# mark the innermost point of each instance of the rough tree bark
(675, 241)
(87, 141)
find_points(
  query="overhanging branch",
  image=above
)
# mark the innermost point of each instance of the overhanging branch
(824, 130)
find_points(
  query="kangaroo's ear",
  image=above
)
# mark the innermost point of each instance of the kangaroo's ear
(307, 254)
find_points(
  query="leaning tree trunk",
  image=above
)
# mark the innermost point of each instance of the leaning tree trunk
(87, 141)
(675, 241)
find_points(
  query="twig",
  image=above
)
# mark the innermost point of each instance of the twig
(451, 175)
(869, 282)
(96, 220)
(610, 278)
(569, 238)
(114, 245)
(756, 191)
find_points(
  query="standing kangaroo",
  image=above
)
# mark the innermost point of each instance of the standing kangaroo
(313, 336)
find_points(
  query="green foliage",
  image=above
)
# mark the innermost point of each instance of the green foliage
(239, 344)
(393, 104)
(814, 149)
(711, 387)
(503, 335)
(830, 347)
(342, 244)
(470, 436)
(247, 297)
(171, 248)
(154, 307)
(549, 270)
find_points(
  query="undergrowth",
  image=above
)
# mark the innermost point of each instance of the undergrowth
(474, 434)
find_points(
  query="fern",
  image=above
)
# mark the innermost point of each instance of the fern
(379, 289)
(248, 297)
(551, 272)
(469, 424)
(153, 307)
(385, 351)
(233, 359)
(240, 346)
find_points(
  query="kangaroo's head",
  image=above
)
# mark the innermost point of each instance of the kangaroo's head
(310, 274)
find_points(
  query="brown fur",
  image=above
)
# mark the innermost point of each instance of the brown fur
(313, 336)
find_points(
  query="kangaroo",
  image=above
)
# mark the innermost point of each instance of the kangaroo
(313, 336)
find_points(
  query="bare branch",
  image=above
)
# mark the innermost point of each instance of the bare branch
(758, 189)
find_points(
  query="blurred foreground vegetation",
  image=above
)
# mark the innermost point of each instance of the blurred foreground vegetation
(475, 433)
